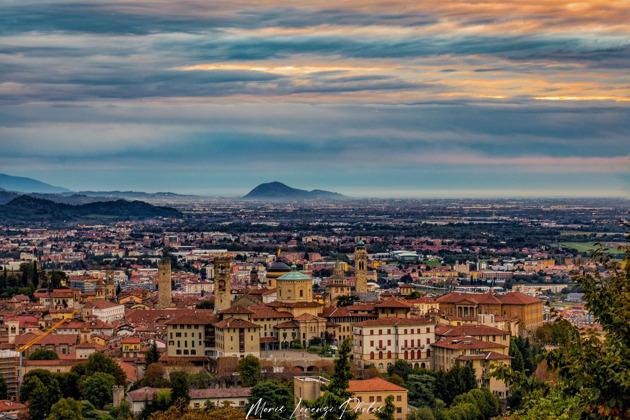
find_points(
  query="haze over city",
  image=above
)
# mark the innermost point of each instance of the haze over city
(381, 99)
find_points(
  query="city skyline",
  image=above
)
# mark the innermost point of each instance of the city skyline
(369, 99)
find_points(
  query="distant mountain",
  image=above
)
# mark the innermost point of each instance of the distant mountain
(27, 185)
(27, 209)
(279, 191)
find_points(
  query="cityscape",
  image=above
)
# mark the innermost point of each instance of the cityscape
(294, 210)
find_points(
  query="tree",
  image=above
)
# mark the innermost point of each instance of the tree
(152, 355)
(97, 388)
(89, 412)
(47, 379)
(179, 386)
(154, 376)
(4, 392)
(122, 412)
(400, 368)
(206, 304)
(346, 300)
(249, 370)
(98, 362)
(57, 277)
(422, 413)
(270, 394)
(66, 409)
(336, 394)
(43, 354)
(39, 403)
(184, 412)
(226, 368)
(592, 369)
(388, 410)
(372, 372)
(68, 384)
(396, 380)
(421, 390)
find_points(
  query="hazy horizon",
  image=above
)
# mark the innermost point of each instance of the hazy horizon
(372, 99)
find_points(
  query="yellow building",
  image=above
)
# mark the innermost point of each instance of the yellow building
(189, 338)
(368, 396)
(295, 287)
(337, 285)
(527, 309)
(237, 338)
(276, 270)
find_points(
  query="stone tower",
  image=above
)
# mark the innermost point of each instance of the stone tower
(222, 284)
(253, 279)
(164, 283)
(110, 285)
(360, 268)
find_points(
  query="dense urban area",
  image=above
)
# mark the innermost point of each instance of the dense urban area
(391, 309)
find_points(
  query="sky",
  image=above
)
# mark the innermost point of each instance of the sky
(370, 98)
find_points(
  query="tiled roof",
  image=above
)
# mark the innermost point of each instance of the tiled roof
(393, 303)
(393, 321)
(100, 304)
(288, 324)
(373, 385)
(464, 342)
(187, 320)
(235, 323)
(517, 298)
(455, 297)
(490, 355)
(205, 394)
(143, 394)
(468, 329)
(8, 406)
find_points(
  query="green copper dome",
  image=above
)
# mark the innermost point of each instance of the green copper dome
(361, 244)
(294, 275)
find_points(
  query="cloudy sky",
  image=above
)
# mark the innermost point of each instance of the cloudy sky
(364, 97)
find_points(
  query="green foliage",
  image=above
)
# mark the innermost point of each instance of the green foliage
(4, 394)
(179, 386)
(154, 376)
(346, 300)
(122, 412)
(414, 295)
(249, 370)
(97, 388)
(89, 411)
(421, 390)
(593, 370)
(270, 394)
(68, 384)
(400, 368)
(43, 354)
(335, 394)
(51, 386)
(152, 355)
(388, 410)
(39, 403)
(422, 413)
(98, 362)
(517, 361)
(396, 380)
(206, 304)
(66, 409)
(458, 380)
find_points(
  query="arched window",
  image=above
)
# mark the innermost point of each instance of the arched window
(406, 355)
(380, 366)
(413, 354)
(371, 355)
(389, 354)
(380, 354)
(301, 293)
(429, 353)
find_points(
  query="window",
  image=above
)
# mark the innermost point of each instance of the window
(380, 332)
(399, 409)
(372, 355)
(372, 343)
(428, 329)
(398, 398)
(371, 398)
(378, 398)
(428, 341)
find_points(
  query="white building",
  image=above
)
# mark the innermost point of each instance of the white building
(103, 310)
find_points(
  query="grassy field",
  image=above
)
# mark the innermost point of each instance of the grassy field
(431, 262)
(587, 247)
(579, 233)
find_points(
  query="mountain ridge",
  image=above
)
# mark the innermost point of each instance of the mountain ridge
(28, 185)
(28, 209)
(278, 191)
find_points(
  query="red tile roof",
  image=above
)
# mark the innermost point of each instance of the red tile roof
(373, 385)
(490, 355)
(205, 394)
(458, 343)
(393, 303)
(187, 320)
(235, 323)
(468, 329)
(393, 321)
(517, 298)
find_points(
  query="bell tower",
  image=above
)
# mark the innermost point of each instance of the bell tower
(164, 283)
(222, 284)
(360, 268)
(253, 279)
